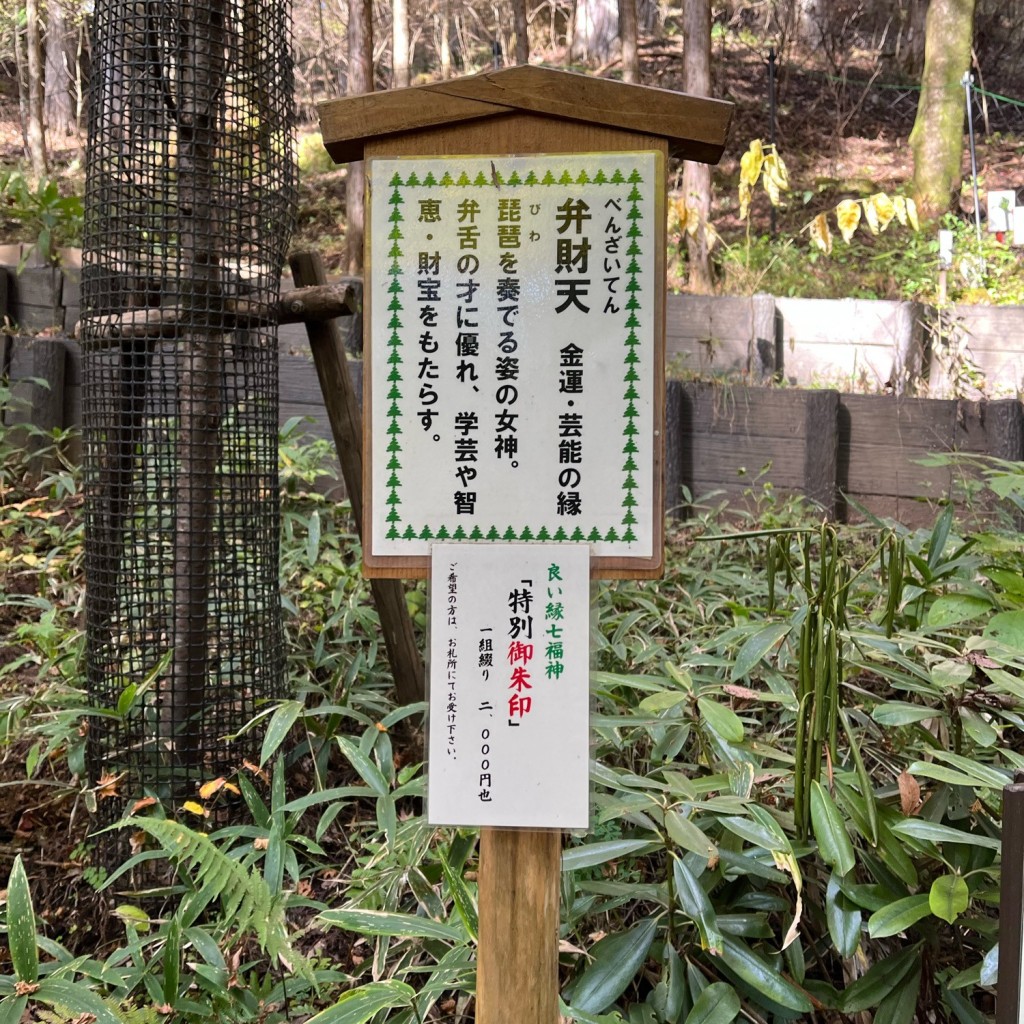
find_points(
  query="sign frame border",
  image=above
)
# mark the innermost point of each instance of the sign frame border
(376, 566)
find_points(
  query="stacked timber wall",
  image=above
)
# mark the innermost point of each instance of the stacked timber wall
(728, 438)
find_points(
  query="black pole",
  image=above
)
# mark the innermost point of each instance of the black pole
(771, 117)
(968, 81)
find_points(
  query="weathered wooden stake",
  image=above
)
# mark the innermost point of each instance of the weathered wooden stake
(517, 956)
(1011, 907)
(346, 421)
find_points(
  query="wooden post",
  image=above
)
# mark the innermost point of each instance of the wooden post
(821, 449)
(1011, 907)
(675, 445)
(764, 361)
(328, 350)
(36, 373)
(908, 346)
(1005, 429)
(517, 957)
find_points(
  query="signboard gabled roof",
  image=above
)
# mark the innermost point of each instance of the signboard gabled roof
(695, 127)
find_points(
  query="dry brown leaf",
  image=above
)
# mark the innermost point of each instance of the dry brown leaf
(142, 804)
(743, 692)
(106, 788)
(261, 842)
(910, 794)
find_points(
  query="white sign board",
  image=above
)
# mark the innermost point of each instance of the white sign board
(513, 352)
(509, 685)
(1001, 205)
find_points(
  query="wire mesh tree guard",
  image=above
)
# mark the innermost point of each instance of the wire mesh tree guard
(190, 191)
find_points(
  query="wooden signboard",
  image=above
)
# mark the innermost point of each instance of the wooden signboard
(514, 359)
(515, 352)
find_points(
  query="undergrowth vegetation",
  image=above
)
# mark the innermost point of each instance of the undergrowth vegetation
(800, 739)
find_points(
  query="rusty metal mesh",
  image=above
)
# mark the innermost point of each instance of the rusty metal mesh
(189, 204)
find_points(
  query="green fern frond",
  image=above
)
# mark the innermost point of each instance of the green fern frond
(57, 1013)
(246, 901)
(141, 1015)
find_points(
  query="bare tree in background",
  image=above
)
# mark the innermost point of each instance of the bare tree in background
(522, 28)
(35, 143)
(595, 30)
(697, 177)
(59, 106)
(628, 39)
(360, 79)
(401, 53)
(442, 24)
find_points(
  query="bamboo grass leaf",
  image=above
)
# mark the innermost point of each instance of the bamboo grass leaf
(359, 1005)
(21, 925)
(717, 1004)
(829, 830)
(899, 916)
(615, 961)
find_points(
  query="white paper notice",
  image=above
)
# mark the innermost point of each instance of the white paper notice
(513, 321)
(509, 724)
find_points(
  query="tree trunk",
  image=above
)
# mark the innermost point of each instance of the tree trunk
(34, 139)
(697, 177)
(937, 140)
(360, 79)
(595, 30)
(627, 36)
(911, 50)
(445, 40)
(400, 48)
(521, 25)
(59, 107)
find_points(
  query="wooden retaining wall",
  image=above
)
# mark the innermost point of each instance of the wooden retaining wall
(728, 438)
(724, 442)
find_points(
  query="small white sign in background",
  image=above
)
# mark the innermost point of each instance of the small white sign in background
(509, 685)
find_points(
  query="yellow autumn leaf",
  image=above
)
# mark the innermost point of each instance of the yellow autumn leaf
(912, 214)
(711, 237)
(750, 164)
(207, 789)
(677, 214)
(899, 204)
(848, 217)
(870, 215)
(775, 177)
(782, 171)
(193, 808)
(692, 221)
(883, 207)
(745, 193)
(820, 233)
